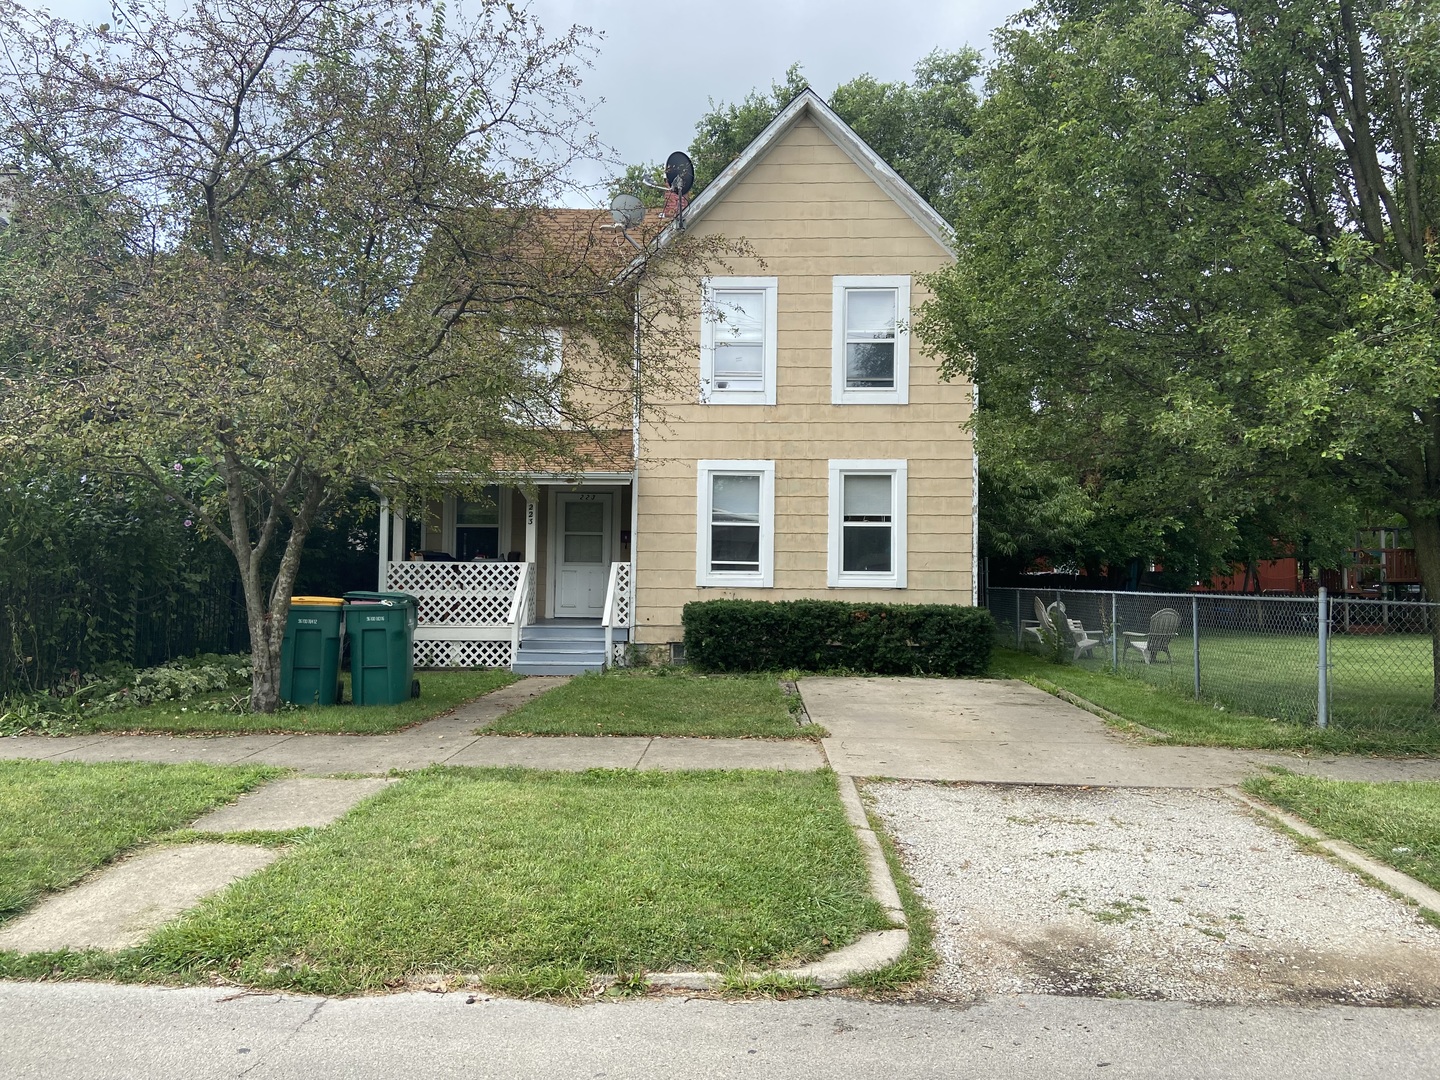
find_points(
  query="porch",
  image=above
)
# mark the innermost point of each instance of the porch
(484, 614)
(537, 579)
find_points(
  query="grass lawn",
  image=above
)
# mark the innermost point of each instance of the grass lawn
(1202, 723)
(440, 691)
(534, 883)
(1397, 823)
(675, 703)
(59, 820)
(1375, 679)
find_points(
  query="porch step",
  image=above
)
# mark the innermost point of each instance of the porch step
(563, 648)
(525, 667)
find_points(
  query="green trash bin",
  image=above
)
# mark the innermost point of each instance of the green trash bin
(381, 629)
(310, 651)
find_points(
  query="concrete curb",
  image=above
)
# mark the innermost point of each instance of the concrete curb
(1403, 884)
(1104, 714)
(870, 952)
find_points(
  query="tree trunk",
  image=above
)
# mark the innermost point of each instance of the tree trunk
(266, 615)
(265, 666)
(264, 644)
(1426, 530)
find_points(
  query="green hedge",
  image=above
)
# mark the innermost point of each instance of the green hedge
(816, 635)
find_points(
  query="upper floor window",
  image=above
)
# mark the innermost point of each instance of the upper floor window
(737, 340)
(540, 369)
(735, 523)
(871, 341)
(867, 541)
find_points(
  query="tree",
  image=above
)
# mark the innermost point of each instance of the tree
(315, 251)
(1197, 261)
(723, 133)
(919, 128)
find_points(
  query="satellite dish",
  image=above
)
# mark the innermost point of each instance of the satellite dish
(679, 173)
(627, 210)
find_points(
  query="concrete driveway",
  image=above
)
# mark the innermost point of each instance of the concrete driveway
(1004, 731)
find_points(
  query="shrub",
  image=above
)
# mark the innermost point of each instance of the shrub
(815, 635)
(116, 688)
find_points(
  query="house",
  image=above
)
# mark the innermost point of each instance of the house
(1382, 566)
(815, 453)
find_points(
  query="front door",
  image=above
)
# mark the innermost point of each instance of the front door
(582, 556)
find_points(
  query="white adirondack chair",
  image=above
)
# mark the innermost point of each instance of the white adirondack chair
(1164, 627)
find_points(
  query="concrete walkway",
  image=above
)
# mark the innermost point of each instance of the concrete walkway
(976, 730)
(447, 740)
(1004, 731)
(121, 904)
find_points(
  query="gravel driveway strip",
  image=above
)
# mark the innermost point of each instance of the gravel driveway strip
(1146, 893)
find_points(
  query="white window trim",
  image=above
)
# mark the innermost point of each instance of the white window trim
(548, 412)
(711, 394)
(449, 511)
(896, 579)
(704, 576)
(900, 393)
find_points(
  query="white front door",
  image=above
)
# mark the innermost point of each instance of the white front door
(582, 553)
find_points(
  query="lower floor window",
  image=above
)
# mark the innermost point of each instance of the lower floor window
(735, 523)
(867, 530)
(477, 526)
(867, 524)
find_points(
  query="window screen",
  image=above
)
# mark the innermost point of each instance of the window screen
(867, 525)
(870, 339)
(734, 523)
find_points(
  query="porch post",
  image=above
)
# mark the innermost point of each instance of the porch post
(384, 539)
(397, 533)
(531, 525)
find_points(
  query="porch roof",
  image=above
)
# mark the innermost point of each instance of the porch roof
(601, 457)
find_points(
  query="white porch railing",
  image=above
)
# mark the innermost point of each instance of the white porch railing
(522, 607)
(472, 614)
(458, 593)
(619, 605)
(465, 610)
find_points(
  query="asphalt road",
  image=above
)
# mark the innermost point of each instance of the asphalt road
(80, 1030)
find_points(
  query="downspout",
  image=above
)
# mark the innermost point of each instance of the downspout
(635, 470)
(384, 539)
(974, 503)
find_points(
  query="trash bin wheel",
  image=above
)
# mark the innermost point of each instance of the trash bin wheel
(414, 688)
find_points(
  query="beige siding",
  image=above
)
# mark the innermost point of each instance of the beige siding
(811, 214)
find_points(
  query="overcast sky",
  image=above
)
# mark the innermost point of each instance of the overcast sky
(661, 64)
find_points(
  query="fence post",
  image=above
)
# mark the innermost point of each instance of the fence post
(1018, 643)
(1114, 638)
(1322, 704)
(1195, 640)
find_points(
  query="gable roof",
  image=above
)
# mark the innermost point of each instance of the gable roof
(808, 103)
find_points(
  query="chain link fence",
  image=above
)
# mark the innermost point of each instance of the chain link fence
(1252, 654)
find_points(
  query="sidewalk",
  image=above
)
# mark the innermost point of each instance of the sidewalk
(448, 740)
(959, 730)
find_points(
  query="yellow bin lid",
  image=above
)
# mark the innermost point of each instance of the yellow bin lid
(316, 601)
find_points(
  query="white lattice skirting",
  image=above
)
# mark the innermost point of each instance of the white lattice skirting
(462, 654)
